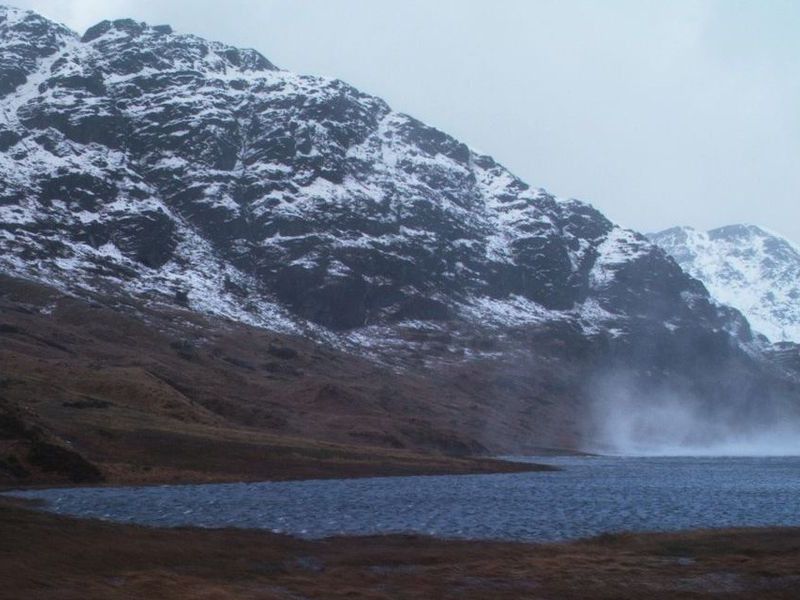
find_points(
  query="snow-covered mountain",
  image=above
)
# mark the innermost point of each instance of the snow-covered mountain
(159, 164)
(149, 173)
(746, 267)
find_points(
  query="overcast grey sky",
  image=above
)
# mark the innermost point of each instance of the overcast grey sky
(657, 112)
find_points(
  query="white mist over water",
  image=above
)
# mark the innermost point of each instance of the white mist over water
(627, 423)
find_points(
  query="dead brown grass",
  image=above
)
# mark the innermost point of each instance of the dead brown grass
(49, 557)
(153, 395)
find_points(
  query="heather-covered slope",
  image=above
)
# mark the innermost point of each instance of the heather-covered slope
(108, 389)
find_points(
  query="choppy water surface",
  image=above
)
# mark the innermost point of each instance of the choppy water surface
(589, 496)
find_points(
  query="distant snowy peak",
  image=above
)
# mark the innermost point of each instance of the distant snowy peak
(746, 267)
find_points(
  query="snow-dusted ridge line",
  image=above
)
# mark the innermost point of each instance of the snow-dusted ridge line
(747, 267)
(164, 166)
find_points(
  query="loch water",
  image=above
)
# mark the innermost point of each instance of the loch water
(588, 496)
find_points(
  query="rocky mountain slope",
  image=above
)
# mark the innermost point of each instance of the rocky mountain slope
(160, 172)
(745, 267)
(163, 165)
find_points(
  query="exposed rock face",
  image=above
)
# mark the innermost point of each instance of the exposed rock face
(155, 162)
(135, 161)
(745, 267)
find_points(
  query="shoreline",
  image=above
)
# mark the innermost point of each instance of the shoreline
(434, 467)
(52, 556)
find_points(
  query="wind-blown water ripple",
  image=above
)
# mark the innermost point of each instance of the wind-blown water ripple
(589, 496)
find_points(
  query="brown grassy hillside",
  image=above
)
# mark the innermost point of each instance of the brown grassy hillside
(99, 389)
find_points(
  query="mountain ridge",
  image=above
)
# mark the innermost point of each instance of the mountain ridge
(160, 176)
(307, 172)
(747, 267)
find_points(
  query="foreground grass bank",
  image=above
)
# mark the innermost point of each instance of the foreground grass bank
(47, 556)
